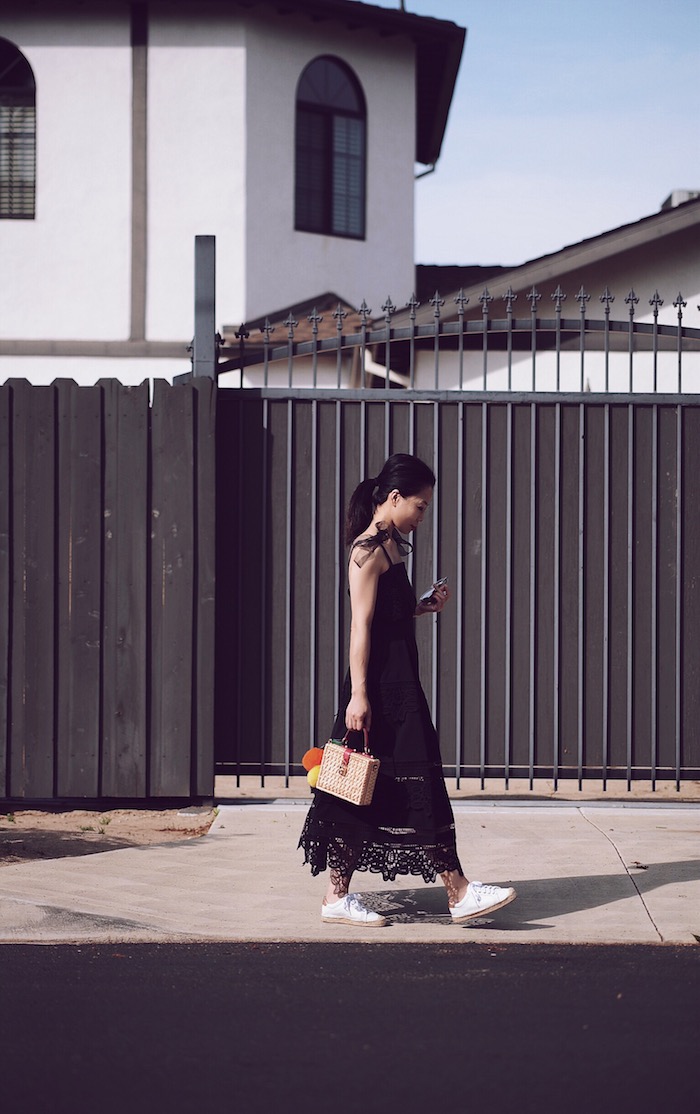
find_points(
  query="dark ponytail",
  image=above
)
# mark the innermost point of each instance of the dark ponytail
(401, 472)
(360, 509)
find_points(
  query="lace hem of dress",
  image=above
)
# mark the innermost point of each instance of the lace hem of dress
(390, 859)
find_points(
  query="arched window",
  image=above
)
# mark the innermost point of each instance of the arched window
(330, 151)
(17, 134)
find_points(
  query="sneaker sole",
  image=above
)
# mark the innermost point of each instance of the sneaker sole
(358, 924)
(485, 912)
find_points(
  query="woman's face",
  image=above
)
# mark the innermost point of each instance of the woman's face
(409, 510)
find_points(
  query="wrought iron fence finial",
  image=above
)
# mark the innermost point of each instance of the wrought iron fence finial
(631, 300)
(388, 309)
(436, 301)
(656, 302)
(558, 297)
(485, 298)
(533, 298)
(460, 300)
(315, 320)
(412, 305)
(606, 299)
(509, 297)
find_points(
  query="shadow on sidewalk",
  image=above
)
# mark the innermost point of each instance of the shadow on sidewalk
(539, 899)
(23, 845)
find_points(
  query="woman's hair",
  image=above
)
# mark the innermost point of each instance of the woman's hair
(401, 472)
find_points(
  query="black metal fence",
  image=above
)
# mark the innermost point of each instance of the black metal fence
(565, 517)
(568, 526)
(106, 591)
(456, 344)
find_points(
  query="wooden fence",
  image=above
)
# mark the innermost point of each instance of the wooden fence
(107, 524)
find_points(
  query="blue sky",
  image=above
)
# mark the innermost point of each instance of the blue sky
(570, 117)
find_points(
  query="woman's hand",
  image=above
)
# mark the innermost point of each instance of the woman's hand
(437, 601)
(358, 713)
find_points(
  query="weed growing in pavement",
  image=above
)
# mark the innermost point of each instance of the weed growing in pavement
(101, 827)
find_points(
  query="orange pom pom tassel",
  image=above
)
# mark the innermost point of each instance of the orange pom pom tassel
(312, 758)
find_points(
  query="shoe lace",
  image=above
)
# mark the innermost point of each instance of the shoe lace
(485, 890)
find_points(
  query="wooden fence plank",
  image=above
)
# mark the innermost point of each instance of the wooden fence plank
(125, 596)
(79, 540)
(227, 534)
(569, 585)
(520, 592)
(33, 539)
(470, 619)
(301, 587)
(205, 401)
(668, 585)
(5, 482)
(325, 680)
(690, 571)
(276, 587)
(545, 545)
(593, 602)
(172, 584)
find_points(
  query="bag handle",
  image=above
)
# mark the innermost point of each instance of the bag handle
(365, 732)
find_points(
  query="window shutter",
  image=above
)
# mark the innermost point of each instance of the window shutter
(17, 161)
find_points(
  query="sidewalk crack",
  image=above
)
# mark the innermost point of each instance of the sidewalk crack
(612, 843)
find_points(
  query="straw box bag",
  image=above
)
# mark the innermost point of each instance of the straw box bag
(347, 773)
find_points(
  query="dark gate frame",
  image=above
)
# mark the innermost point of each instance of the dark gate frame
(568, 527)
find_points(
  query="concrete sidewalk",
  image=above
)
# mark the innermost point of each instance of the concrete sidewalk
(584, 874)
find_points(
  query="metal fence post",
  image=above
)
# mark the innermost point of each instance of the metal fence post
(204, 348)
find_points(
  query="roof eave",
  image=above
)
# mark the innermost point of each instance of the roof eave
(433, 101)
(625, 238)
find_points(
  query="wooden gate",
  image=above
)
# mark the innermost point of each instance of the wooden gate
(569, 528)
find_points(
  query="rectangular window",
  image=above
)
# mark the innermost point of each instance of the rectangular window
(17, 161)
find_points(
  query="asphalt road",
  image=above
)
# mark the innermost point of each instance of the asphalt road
(348, 1028)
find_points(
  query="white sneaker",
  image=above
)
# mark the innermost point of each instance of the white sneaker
(350, 910)
(480, 900)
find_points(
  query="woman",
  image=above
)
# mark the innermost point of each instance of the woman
(409, 826)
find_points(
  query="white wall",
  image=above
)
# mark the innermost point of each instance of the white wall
(283, 265)
(197, 160)
(66, 273)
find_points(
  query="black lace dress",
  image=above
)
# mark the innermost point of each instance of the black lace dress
(409, 826)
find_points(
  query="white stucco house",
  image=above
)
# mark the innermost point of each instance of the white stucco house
(289, 131)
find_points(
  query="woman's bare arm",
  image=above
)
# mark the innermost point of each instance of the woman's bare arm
(363, 597)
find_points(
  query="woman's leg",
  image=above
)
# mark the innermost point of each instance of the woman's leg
(456, 885)
(338, 886)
